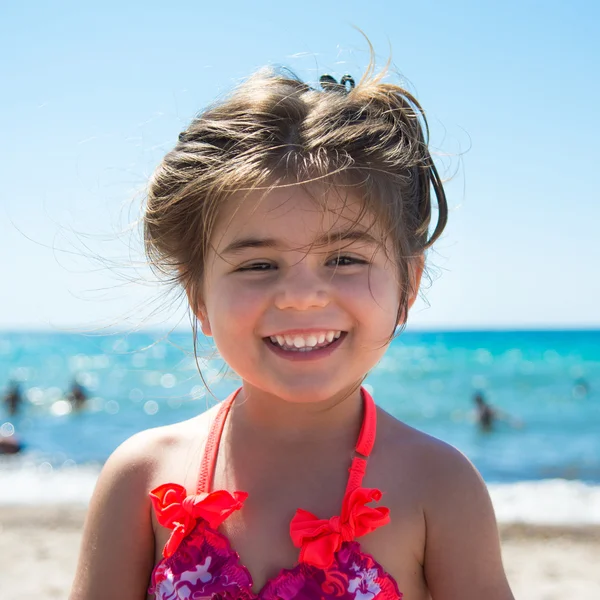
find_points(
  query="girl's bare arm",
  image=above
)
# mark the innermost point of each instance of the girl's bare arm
(462, 554)
(117, 549)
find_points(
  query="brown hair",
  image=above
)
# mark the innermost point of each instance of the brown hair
(276, 130)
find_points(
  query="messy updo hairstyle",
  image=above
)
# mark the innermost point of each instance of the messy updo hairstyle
(274, 130)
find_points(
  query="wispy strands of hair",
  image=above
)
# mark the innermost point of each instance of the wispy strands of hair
(276, 131)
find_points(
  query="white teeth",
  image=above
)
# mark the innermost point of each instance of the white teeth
(312, 340)
(305, 343)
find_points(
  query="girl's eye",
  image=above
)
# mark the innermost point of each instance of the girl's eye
(257, 267)
(343, 260)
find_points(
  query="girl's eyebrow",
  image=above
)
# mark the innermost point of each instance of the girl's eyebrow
(350, 235)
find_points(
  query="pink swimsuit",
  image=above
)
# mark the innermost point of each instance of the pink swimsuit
(198, 562)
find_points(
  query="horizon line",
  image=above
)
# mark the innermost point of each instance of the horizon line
(415, 329)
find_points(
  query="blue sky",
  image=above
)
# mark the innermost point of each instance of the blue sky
(93, 96)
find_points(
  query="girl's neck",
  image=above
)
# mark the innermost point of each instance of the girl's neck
(274, 419)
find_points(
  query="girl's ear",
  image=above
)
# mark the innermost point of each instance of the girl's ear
(416, 272)
(205, 326)
(199, 310)
(201, 315)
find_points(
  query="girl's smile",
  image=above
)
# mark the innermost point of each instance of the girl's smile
(305, 345)
(301, 300)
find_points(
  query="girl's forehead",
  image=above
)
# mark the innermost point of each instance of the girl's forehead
(291, 212)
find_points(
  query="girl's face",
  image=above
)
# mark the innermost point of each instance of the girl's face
(301, 301)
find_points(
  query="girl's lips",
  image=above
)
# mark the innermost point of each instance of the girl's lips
(316, 354)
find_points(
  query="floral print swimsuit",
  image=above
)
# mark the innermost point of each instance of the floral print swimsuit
(198, 562)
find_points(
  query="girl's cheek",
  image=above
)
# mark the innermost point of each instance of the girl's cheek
(237, 301)
(376, 287)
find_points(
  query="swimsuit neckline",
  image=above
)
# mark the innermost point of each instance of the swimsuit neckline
(362, 449)
(319, 540)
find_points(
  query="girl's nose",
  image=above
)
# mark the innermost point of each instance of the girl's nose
(301, 289)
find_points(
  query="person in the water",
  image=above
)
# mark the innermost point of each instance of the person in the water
(581, 388)
(10, 445)
(13, 398)
(487, 415)
(77, 396)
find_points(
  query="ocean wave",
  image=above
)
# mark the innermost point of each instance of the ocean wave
(545, 502)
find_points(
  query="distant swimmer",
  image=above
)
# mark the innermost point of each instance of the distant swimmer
(581, 388)
(487, 415)
(13, 398)
(77, 396)
(10, 445)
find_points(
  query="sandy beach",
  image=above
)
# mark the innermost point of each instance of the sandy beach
(39, 547)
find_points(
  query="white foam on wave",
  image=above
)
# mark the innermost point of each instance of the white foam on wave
(71, 485)
(546, 502)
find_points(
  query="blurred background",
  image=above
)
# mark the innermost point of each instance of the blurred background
(501, 356)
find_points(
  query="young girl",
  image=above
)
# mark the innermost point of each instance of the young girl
(296, 220)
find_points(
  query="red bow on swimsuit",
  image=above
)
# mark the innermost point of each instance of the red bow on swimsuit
(320, 539)
(179, 512)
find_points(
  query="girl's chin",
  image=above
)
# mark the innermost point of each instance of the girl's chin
(306, 391)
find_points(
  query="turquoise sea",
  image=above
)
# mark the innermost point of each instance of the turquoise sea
(547, 382)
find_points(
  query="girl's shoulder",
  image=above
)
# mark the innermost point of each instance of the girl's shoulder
(433, 481)
(429, 466)
(118, 536)
(439, 488)
(395, 436)
(169, 453)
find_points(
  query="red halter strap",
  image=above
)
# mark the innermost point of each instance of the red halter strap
(364, 445)
(211, 450)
